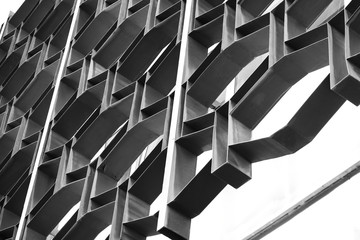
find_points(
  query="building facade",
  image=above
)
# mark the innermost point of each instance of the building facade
(141, 112)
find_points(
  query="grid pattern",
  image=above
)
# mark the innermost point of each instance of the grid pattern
(108, 139)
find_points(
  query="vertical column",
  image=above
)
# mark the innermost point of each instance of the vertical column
(44, 135)
(164, 225)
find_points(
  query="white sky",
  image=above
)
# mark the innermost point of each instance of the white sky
(279, 183)
(7, 6)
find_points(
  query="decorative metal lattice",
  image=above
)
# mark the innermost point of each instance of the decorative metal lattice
(110, 104)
